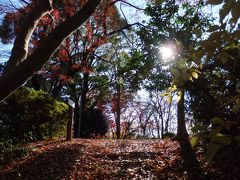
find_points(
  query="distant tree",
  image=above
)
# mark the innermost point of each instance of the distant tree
(164, 113)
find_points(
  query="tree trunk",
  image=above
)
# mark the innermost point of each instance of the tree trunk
(76, 130)
(69, 125)
(83, 101)
(158, 127)
(162, 127)
(57, 87)
(190, 161)
(118, 118)
(35, 83)
(168, 117)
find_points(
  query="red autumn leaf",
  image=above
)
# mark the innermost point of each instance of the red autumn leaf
(55, 67)
(63, 55)
(86, 69)
(76, 67)
(56, 14)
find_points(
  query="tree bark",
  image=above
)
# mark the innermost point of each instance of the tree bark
(15, 77)
(35, 83)
(69, 124)
(83, 100)
(21, 43)
(181, 128)
(190, 161)
(118, 118)
(76, 127)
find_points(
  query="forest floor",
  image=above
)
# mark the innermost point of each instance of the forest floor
(107, 159)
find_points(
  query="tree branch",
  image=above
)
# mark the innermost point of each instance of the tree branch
(33, 63)
(20, 48)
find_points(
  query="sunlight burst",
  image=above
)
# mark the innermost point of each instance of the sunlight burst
(167, 53)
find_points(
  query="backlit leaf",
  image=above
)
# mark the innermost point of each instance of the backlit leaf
(195, 75)
(217, 121)
(169, 100)
(211, 151)
(195, 140)
(222, 139)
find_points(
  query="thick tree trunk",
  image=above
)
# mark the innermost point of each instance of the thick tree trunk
(191, 164)
(181, 128)
(14, 77)
(118, 118)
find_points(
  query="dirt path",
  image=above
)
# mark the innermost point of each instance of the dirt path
(98, 159)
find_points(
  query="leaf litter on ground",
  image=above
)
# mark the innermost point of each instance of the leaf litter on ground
(100, 159)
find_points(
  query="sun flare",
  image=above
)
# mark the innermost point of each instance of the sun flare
(167, 53)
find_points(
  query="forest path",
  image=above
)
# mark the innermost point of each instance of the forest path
(98, 159)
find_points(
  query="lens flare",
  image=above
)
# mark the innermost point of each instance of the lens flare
(167, 53)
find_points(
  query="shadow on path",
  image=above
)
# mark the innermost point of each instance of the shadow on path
(57, 163)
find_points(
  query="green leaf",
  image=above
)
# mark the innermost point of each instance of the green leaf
(211, 151)
(195, 140)
(195, 75)
(214, 2)
(217, 121)
(222, 139)
(169, 100)
(190, 78)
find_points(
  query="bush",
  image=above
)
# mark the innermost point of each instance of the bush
(93, 124)
(32, 115)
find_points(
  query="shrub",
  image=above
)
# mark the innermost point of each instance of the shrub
(32, 115)
(93, 124)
